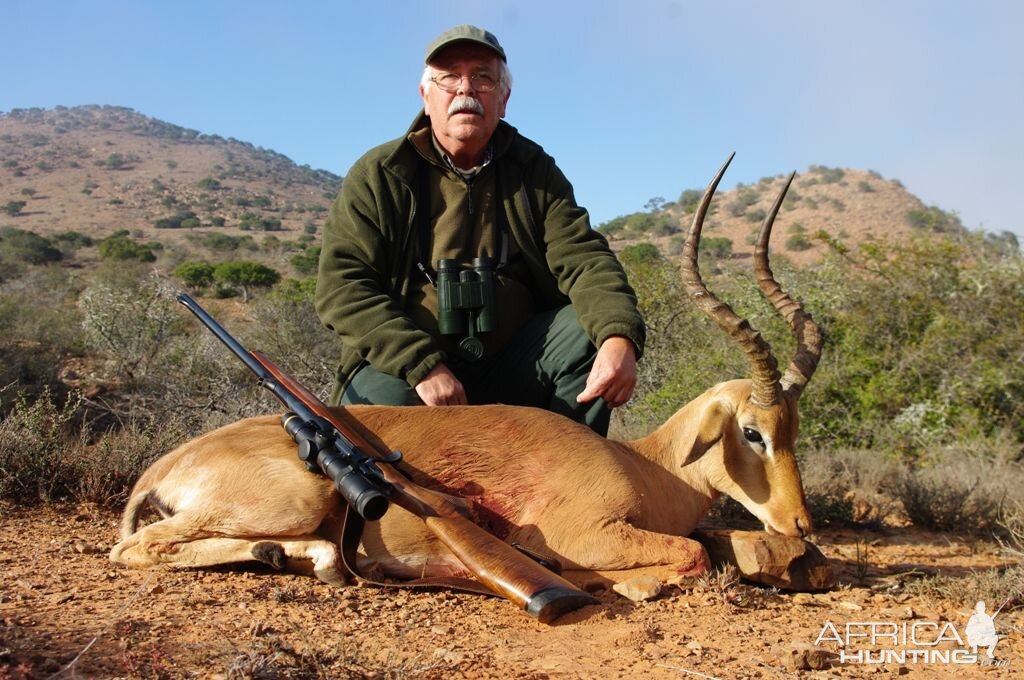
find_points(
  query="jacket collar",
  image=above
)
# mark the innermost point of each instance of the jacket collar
(398, 160)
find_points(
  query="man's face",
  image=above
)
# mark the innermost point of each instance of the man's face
(465, 129)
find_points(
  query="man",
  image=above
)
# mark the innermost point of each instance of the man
(563, 331)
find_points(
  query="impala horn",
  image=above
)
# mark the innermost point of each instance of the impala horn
(765, 369)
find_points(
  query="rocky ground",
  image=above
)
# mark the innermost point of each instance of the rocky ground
(66, 612)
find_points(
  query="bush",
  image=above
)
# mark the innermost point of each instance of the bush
(131, 324)
(28, 247)
(253, 222)
(13, 208)
(196, 275)
(935, 220)
(46, 454)
(717, 247)
(798, 242)
(124, 248)
(640, 224)
(308, 261)
(37, 442)
(223, 242)
(961, 493)
(827, 175)
(39, 331)
(246, 275)
(183, 219)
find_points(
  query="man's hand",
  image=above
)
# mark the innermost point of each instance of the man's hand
(441, 388)
(613, 375)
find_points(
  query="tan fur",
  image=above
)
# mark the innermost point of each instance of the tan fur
(240, 493)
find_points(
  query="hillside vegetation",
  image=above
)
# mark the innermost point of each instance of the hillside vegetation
(916, 411)
(824, 207)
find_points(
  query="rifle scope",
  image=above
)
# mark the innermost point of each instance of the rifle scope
(321, 454)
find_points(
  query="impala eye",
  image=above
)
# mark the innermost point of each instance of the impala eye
(752, 436)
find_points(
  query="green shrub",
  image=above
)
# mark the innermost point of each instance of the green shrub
(757, 215)
(717, 247)
(37, 444)
(208, 183)
(253, 222)
(74, 239)
(865, 187)
(124, 248)
(130, 323)
(246, 275)
(223, 242)
(640, 224)
(827, 175)
(935, 220)
(26, 246)
(798, 242)
(183, 219)
(307, 261)
(13, 208)
(196, 275)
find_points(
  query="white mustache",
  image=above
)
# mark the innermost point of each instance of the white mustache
(463, 103)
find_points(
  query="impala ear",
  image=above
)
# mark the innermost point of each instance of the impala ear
(708, 432)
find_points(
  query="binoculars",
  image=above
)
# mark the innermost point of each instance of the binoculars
(465, 303)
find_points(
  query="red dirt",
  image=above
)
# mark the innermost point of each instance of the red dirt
(66, 612)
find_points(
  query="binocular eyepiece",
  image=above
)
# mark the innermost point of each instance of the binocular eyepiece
(466, 303)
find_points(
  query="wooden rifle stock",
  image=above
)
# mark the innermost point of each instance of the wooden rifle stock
(501, 568)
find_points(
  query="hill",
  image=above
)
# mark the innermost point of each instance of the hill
(839, 204)
(96, 170)
(99, 169)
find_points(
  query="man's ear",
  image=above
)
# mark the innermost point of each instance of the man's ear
(504, 103)
(708, 432)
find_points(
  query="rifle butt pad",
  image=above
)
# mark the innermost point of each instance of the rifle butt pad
(549, 604)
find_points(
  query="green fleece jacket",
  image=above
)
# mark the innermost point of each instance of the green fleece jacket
(369, 256)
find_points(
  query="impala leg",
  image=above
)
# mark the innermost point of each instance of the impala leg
(403, 548)
(619, 547)
(171, 542)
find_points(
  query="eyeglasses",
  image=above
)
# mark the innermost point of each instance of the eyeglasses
(450, 82)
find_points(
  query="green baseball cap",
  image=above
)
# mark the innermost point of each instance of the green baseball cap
(465, 33)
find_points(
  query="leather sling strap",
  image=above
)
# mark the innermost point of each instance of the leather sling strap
(351, 534)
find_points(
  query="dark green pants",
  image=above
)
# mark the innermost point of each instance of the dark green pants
(545, 365)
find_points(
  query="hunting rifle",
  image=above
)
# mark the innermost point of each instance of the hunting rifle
(366, 477)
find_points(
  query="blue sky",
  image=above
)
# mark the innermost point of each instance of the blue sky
(634, 100)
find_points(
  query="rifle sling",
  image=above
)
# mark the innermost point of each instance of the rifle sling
(351, 535)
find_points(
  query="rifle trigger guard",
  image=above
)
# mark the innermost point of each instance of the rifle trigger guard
(392, 457)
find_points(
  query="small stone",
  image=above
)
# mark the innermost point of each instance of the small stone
(83, 548)
(899, 614)
(639, 589)
(802, 656)
(852, 606)
(803, 599)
